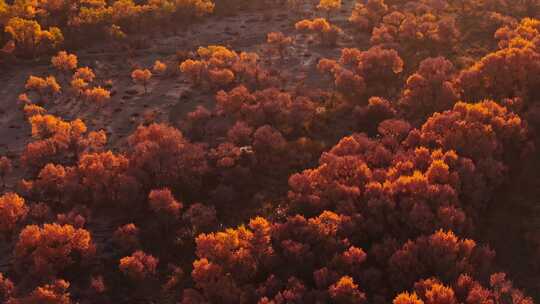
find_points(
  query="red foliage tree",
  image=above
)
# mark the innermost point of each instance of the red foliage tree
(464, 290)
(49, 249)
(441, 254)
(127, 237)
(105, 178)
(163, 202)
(54, 293)
(501, 75)
(12, 210)
(164, 158)
(345, 291)
(7, 288)
(429, 90)
(138, 266)
(490, 135)
(327, 32)
(368, 73)
(270, 106)
(238, 263)
(417, 34)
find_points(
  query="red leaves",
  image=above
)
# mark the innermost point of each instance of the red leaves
(53, 293)
(163, 157)
(463, 290)
(6, 288)
(441, 254)
(328, 33)
(364, 73)
(51, 248)
(163, 202)
(271, 106)
(138, 266)
(127, 237)
(345, 291)
(233, 261)
(429, 90)
(12, 210)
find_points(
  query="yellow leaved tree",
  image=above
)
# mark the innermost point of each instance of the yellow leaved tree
(29, 37)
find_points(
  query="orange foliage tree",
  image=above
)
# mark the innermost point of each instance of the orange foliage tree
(12, 210)
(55, 138)
(463, 290)
(329, 6)
(64, 62)
(163, 202)
(359, 73)
(422, 35)
(142, 77)
(30, 38)
(429, 90)
(51, 248)
(219, 67)
(44, 87)
(53, 293)
(500, 75)
(279, 42)
(138, 266)
(328, 33)
(162, 157)
(366, 15)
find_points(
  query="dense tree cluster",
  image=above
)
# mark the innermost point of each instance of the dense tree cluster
(351, 164)
(24, 22)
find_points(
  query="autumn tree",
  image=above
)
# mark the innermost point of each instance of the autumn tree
(51, 248)
(319, 264)
(464, 289)
(159, 67)
(53, 293)
(279, 42)
(219, 67)
(358, 73)
(163, 202)
(498, 75)
(106, 178)
(84, 73)
(54, 138)
(30, 38)
(31, 109)
(429, 90)
(486, 132)
(162, 157)
(138, 266)
(327, 33)
(141, 77)
(194, 69)
(97, 95)
(346, 291)
(417, 35)
(201, 217)
(44, 87)
(12, 210)
(127, 237)
(366, 15)
(7, 288)
(437, 255)
(64, 62)
(329, 6)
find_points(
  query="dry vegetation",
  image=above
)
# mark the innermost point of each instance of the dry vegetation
(270, 152)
